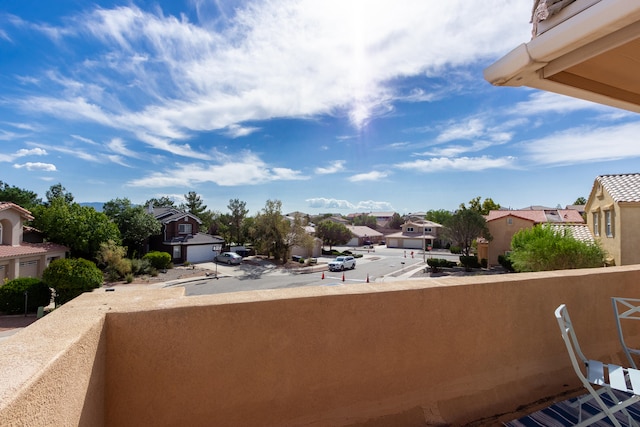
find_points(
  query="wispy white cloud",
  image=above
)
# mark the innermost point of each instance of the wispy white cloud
(470, 164)
(338, 204)
(118, 146)
(334, 167)
(289, 59)
(548, 102)
(471, 129)
(237, 131)
(31, 166)
(243, 169)
(368, 176)
(22, 153)
(585, 144)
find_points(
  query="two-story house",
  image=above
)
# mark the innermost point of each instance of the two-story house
(504, 224)
(181, 237)
(415, 234)
(19, 258)
(613, 216)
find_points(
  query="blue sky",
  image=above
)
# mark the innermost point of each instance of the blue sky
(329, 106)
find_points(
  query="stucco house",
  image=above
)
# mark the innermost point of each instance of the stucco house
(361, 234)
(181, 237)
(415, 234)
(503, 224)
(613, 216)
(19, 258)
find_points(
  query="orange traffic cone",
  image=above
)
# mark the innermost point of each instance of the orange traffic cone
(343, 277)
(323, 275)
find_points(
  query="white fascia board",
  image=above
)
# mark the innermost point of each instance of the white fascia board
(522, 64)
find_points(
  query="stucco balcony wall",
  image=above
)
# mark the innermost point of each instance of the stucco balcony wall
(424, 352)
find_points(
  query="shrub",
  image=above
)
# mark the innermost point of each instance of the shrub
(12, 295)
(455, 249)
(505, 262)
(71, 277)
(469, 262)
(437, 263)
(543, 248)
(159, 260)
(140, 266)
(129, 278)
(484, 262)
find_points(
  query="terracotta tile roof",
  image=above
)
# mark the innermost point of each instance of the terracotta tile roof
(622, 187)
(540, 216)
(8, 251)
(9, 205)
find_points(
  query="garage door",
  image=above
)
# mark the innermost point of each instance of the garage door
(392, 243)
(29, 269)
(412, 243)
(200, 253)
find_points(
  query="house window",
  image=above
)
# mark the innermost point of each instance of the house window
(509, 221)
(184, 228)
(607, 223)
(427, 230)
(409, 229)
(596, 223)
(0, 234)
(177, 252)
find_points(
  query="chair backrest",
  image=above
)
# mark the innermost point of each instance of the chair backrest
(626, 309)
(578, 360)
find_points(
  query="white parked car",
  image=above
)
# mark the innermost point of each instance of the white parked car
(341, 263)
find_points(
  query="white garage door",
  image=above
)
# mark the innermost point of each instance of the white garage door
(200, 253)
(412, 244)
(29, 269)
(392, 243)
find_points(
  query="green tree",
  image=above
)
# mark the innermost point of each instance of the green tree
(440, 216)
(271, 231)
(57, 191)
(135, 224)
(23, 198)
(238, 213)
(580, 201)
(81, 228)
(484, 207)
(162, 202)
(396, 221)
(542, 248)
(70, 277)
(366, 220)
(332, 233)
(465, 226)
(194, 204)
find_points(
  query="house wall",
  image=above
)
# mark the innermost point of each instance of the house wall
(598, 202)
(11, 222)
(171, 228)
(502, 233)
(629, 233)
(437, 351)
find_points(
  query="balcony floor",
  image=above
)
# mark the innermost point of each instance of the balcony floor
(564, 414)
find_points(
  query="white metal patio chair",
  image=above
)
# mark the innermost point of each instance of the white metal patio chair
(626, 309)
(606, 376)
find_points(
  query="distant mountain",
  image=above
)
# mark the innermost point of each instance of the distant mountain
(95, 205)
